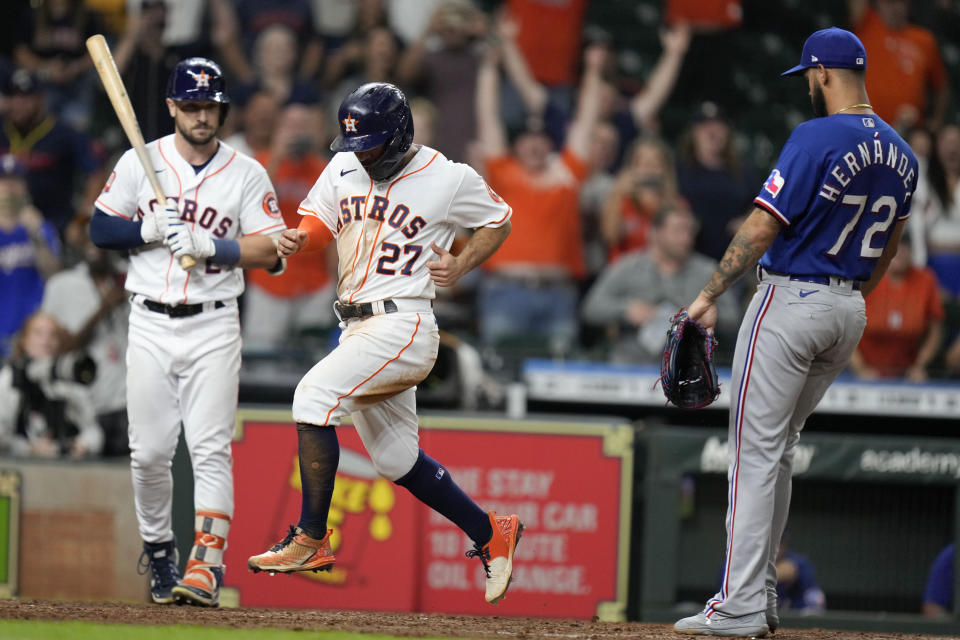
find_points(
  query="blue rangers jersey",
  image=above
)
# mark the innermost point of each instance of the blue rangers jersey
(839, 186)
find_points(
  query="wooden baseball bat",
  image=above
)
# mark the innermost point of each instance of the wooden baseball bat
(113, 84)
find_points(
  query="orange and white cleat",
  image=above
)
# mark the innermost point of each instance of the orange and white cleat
(497, 555)
(296, 552)
(200, 586)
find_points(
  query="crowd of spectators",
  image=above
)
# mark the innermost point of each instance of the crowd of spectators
(627, 179)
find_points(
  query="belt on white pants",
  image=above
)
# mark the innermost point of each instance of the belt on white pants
(179, 310)
(351, 310)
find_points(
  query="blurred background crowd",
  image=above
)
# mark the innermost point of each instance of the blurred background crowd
(630, 137)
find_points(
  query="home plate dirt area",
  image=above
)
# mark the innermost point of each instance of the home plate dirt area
(414, 625)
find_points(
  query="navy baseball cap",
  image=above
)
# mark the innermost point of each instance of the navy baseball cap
(833, 48)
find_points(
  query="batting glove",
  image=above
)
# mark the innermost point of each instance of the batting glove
(153, 227)
(171, 222)
(190, 243)
(203, 246)
(174, 225)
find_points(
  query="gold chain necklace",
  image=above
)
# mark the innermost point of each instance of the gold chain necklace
(862, 105)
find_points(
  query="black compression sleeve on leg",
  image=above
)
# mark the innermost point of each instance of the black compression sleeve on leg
(432, 485)
(319, 453)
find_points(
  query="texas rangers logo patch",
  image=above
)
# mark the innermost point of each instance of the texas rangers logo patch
(202, 79)
(270, 205)
(774, 183)
(349, 124)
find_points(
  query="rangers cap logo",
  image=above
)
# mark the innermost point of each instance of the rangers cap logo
(202, 79)
(349, 124)
(774, 183)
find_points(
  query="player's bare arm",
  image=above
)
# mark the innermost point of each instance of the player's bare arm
(884, 261)
(447, 269)
(257, 252)
(754, 237)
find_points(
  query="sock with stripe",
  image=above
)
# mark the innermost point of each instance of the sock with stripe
(206, 556)
(319, 452)
(433, 485)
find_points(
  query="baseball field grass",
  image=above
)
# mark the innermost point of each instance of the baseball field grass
(36, 630)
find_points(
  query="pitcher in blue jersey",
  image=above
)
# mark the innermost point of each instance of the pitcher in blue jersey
(826, 223)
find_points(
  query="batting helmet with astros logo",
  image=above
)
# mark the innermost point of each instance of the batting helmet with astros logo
(199, 79)
(373, 114)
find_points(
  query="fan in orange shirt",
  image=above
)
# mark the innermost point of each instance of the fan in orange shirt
(277, 307)
(530, 285)
(904, 322)
(904, 63)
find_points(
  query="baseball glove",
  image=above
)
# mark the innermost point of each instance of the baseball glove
(688, 376)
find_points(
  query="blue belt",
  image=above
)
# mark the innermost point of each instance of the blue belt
(815, 279)
(822, 280)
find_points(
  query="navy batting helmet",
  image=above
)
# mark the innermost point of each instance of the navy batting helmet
(198, 79)
(373, 114)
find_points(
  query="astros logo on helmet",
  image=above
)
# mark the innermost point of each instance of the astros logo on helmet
(350, 124)
(202, 78)
(197, 79)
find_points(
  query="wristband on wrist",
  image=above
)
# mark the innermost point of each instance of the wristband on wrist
(226, 252)
(278, 267)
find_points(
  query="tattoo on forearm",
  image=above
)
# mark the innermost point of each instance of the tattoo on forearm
(741, 255)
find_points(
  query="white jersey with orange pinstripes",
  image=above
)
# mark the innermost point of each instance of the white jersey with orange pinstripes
(230, 197)
(384, 229)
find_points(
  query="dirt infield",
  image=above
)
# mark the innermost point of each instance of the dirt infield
(409, 625)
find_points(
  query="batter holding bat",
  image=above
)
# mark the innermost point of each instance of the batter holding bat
(392, 208)
(183, 358)
(826, 224)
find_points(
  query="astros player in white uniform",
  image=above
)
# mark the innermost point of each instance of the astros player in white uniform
(183, 357)
(392, 208)
(826, 224)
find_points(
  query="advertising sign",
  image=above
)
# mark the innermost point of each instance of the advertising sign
(568, 482)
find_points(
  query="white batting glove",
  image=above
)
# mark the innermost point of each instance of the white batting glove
(202, 244)
(171, 214)
(184, 242)
(179, 240)
(153, 227)
(171, 222)
(174, 227)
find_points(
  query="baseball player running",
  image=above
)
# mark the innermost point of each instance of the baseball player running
(826, 224)
(392, 208)
(183, 357)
